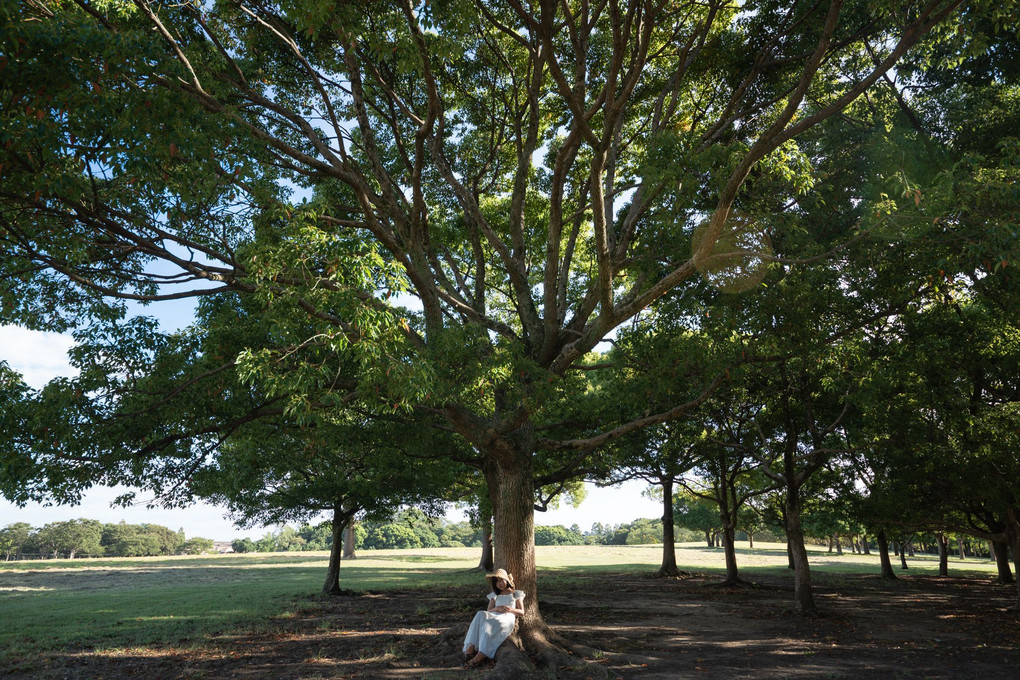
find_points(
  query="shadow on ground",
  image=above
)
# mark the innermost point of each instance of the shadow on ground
(643, 627)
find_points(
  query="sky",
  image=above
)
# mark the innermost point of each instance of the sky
(40, 357)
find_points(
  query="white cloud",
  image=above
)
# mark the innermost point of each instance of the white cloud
(39, 356)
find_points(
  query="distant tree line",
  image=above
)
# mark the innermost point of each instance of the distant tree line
(411, 529)
(77, 538)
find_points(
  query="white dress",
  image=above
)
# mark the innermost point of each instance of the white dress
(489, 629)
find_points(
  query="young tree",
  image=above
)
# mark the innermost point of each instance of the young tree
(726, 473)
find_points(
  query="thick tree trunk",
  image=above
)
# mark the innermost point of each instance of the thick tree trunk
(709, 539)
(798, 553)
(511, 482)
(839, 546)
(883, 556)
(668, 567)
(943, 544)
(349, 542)
(1001, 554)
(1013, 538)
(332, 584)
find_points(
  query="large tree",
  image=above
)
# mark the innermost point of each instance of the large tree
(531, 174)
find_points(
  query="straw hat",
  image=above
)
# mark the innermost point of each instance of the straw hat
(501, 573)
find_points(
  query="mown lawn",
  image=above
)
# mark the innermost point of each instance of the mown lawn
(113, 604)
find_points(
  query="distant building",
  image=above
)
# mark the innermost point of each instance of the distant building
(223, 547)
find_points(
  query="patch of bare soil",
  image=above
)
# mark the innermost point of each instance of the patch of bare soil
(643, 627)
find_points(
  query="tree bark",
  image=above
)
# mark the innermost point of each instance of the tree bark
(349, 542)
(485, 560)
(750, 540)
(332, 584)
(798, 553)
(1001, 554)
(727, 515)
(943, 544)
(510, 478)
(959, 544)
(729, 546)
(903, 555)
(883, 556)
(668, 567)
(1013, 538)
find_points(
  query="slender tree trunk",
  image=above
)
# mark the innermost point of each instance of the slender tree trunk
(883, 556)
(903, 556)
(709, 538)
(865, 547)
(943, 544)
(340, 521)
(795, 540)
(1001, 553)
(730, 548)
(485, 561)
(959, 544)
(839, 546)
(750, 540)
(668, 567)
(727, 515)
(349, 542)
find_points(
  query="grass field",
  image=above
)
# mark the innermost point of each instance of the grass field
(129, 604)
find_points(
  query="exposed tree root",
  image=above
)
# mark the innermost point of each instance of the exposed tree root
(543, 654)
(673, 573)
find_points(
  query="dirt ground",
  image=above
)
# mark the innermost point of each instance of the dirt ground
(644, 627)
